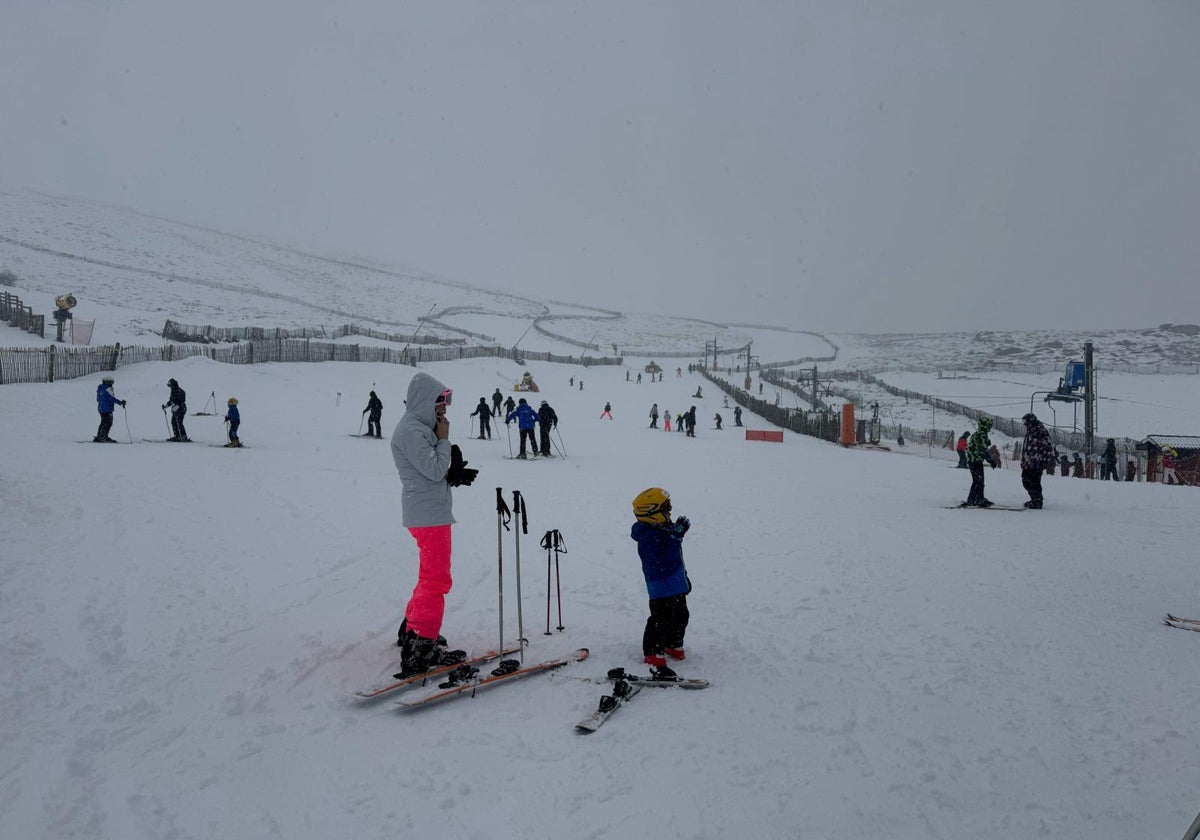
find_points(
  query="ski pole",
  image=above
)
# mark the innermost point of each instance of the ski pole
(553, 542)
(361, 418)
(547, 544)
(519, 510)
(561, 446)
(1193, 830)
(168, 422)
(503, 515)
(125, 414)
(508, 429)
(559, 545)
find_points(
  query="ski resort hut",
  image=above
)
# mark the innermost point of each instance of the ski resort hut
(653, 367)
(1182, 450)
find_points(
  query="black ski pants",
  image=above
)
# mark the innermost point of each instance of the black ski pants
(1031, 480)
(544, 433)
(666, 625)
(373, 425)
(105, 426)
(528, 433)
(976, 494)
(485, 427)
(178, 412)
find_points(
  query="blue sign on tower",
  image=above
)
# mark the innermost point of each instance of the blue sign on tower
(1076, 375)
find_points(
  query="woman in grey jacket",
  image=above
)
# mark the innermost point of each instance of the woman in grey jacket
(428, 468)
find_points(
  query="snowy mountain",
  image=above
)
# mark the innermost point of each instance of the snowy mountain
(183, 626)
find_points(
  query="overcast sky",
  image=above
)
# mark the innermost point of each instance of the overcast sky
(890, 166)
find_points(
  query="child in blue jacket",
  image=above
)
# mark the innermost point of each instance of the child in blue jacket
(234, 419)
(660, 547)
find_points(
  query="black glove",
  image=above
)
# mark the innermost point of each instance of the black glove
(164, 408)
(458, 474)
(682, 524)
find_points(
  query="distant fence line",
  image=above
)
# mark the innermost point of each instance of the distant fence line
(971, 371)
(48, 364)
(18, 315)
(175, 331)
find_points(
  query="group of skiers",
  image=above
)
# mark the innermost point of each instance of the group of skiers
(526, 418)
(106, 401)
(685, 421)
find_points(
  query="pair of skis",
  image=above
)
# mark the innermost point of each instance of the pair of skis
(965, 506)
(1181, 622)
(467, 681)
(464, 678)
(625, 688)
(438, 673)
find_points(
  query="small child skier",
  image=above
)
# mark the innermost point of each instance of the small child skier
(660, 547)
(234, 419)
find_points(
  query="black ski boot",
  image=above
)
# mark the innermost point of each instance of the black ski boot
(441, 640)
(417, 655)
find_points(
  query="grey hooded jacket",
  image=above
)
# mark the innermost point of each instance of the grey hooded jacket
(421, 459)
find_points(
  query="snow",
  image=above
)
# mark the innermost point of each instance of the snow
(182, 627)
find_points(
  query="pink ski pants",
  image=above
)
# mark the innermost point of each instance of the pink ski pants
(428, 603)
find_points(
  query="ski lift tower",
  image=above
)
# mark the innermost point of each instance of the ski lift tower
(751, 361)
(1078, 384)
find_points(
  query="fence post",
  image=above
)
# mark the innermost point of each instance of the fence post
(50, 362)
(116, 354)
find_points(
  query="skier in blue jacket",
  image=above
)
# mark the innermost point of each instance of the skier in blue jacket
(105, 401)
(660, 547)
(233, 418)
(525, 417)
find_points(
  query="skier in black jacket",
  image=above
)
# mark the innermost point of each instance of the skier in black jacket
(177, 402)
(485, 418)
(549, 420)
(375, 406)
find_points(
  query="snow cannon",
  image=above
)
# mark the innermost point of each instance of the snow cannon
(62, 313)
(526, 383)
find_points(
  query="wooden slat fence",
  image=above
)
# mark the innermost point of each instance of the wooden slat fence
(53, 363)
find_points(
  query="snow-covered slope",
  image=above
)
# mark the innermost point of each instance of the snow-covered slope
(181, 626)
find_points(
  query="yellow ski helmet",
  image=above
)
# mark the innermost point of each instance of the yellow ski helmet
(652, 505)
(233, 400)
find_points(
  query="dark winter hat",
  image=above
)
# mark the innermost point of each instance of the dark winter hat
(172, 382)
(522, 401)
(1030, 419)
